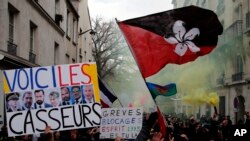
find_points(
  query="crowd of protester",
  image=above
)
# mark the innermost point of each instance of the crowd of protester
(215, 128)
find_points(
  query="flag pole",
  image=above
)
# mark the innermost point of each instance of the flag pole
(158, 109)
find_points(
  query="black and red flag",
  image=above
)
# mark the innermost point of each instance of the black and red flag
(177, 36)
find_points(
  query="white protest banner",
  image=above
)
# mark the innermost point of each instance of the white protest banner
(63, 97)
(122, 122)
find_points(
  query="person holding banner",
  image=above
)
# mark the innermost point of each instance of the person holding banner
(27, 100)
(65, 96)
(39, 97)
(76, 92)
(12, 102)
(88, 94)
(54, 99)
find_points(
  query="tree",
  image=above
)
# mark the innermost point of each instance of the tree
(108, 46)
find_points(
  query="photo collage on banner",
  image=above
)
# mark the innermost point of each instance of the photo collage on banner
(37, 99)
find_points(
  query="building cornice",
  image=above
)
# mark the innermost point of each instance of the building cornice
(43, 13)
(16, 60)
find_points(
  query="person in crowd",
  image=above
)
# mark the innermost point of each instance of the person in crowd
(12, 102)
(27, 100)
(4, 134)
(26, 138)
(65, 96)
(118, 138)
(73, 136)
(247, 121)
(76, 92)
(157, 137)
(88, 94)
(47, 135)
(39, 98)
(226, 130)
(57, 136)
(149, 123)
(229, 120)
(54, 99)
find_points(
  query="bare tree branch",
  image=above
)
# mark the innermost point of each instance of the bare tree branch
(108, 46)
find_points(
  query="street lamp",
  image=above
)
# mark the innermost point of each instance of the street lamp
(92, 32)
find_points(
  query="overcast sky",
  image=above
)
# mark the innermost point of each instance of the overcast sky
(127, 9)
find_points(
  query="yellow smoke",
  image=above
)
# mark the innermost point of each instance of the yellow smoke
(200, 97)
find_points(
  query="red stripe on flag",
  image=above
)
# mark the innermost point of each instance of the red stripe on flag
(104, 105)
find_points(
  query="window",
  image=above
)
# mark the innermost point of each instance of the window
(73, 60)
(239, 64)
(67, 59)
(32, 56)
(57, 6)
(80, 58)
(80, 54)
(74, 30)
(222, 105)
(85, 55)
(80, 51)
(12, 48)
(11, 27)
(238, 12)
(56, 53)
(12, 14)
(58, 16)
(67, 23)
(248, 5)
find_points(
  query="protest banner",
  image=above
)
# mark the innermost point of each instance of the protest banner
(123, 122)
(62, 96)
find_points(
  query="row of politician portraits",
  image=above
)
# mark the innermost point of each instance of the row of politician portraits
(27, 100)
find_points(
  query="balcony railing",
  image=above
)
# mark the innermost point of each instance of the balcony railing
(32, 57)
(237, 76)
(234, 30)
(12, 48)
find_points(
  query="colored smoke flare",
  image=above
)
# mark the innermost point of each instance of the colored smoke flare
(200, 98)
(213, 99)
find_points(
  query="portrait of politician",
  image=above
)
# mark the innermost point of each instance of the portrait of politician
(88, 94)
(65, 96)
(27, 100)
(12, 102)
(54, 99)
(39, 98)
(76, 93)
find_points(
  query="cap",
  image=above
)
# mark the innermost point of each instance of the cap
(12, 96)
